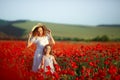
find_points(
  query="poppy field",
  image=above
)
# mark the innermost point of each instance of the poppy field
(76, 60)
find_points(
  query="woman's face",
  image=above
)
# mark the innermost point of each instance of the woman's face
(40, 30)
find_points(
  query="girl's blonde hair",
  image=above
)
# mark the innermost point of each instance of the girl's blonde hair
(44, 50)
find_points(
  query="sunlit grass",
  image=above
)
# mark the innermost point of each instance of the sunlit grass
(73, 31)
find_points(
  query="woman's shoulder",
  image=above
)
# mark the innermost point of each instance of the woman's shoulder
(47, 35)
(34, 37)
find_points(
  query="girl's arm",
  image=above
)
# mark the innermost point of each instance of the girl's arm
(57, 67)
(42, 63)
(54, 61)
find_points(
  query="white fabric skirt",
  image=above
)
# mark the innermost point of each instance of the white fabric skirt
(37, 60)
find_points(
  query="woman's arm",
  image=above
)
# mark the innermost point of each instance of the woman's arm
(51, 41)
(29, 43)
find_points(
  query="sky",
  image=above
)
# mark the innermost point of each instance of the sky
(85, 12)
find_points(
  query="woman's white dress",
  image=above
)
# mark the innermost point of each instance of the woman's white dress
(40, 42)
(48, 61)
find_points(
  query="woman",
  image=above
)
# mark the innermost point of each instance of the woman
(41, 36)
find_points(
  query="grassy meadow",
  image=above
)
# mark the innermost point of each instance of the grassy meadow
(19, 29)
(72, 31)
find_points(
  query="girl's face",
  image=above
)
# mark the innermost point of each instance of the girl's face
(40, 30)
(47, 49)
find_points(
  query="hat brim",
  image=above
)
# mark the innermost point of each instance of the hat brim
(39, 24)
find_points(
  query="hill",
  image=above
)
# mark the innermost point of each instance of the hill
(21, 28)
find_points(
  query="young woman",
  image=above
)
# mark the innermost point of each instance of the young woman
(41, 36)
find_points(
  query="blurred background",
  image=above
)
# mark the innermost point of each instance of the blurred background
(70, 20)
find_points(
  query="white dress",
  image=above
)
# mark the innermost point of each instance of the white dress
(48, 61)
(40, 42)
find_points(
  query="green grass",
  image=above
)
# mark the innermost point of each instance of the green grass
(72, 31)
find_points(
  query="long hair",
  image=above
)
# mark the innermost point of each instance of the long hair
(44, 50)
(36, 33)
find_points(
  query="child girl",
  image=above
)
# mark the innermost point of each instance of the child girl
(48, 60)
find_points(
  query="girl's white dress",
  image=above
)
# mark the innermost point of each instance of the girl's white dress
(40, 42)
(48, 61)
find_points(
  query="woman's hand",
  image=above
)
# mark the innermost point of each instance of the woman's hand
(49, 31)
(52, 41)
(30, 34)
(29, 43)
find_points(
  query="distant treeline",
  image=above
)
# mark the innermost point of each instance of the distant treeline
(103, 38)
(112, 25)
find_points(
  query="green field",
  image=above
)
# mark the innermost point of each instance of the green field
(19, 29)
(72, 31)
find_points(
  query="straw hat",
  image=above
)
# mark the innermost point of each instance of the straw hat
(39, 24)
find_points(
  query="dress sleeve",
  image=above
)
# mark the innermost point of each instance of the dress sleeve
(33, 39)
(48, 36)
